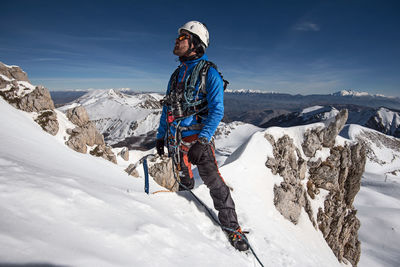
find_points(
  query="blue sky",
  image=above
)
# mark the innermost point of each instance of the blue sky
(297, 47)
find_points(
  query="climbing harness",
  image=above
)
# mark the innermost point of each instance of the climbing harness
(182, 98)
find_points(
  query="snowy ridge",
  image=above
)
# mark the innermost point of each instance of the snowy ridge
(229, 136)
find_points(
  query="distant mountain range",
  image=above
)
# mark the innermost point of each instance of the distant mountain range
(118, 116)
(384, 120)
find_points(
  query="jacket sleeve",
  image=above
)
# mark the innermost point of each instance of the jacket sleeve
(215, 100)
(162, 128)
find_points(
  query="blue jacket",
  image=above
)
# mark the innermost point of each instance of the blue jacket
(215, 100)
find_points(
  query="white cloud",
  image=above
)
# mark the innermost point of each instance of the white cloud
(307, 27)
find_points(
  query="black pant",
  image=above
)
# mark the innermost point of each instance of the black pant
(219, 191)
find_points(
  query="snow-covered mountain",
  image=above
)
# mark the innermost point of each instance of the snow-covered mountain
(124, 120)
(352, 93)
(386, 121)
(381, 119)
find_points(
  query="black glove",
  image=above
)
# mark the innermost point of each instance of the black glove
(160, 146)
(196, 151)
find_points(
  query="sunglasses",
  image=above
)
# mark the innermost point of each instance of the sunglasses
(183, 36)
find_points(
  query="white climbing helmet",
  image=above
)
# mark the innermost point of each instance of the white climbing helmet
(197, 28)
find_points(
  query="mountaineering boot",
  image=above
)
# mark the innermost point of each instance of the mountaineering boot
(238, 240)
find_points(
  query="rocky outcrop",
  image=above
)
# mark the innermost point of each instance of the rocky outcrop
(82, 136)
(162, 172)
(17, 91)
(85, 134)
(35, 100)
(78, 116)
(48, 121)
(289, 196)
(315, 139)
(131, 170)
(339, 174)
(38, 100)
(105, 152)
(124, 153)
(13, 72)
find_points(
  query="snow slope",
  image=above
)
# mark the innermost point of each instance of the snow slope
(61, 207)
(378, 202)
(229, 136)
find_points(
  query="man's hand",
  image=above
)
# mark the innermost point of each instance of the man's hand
(160, 146)
(197, 150)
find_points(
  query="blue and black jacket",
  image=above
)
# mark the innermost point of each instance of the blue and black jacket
(215, 103)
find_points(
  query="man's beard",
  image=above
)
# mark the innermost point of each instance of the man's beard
(177, 51)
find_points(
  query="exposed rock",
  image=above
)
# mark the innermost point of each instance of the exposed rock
(131, 170)
(48, 121)
(289, 200)
(38, 100)
(78, 116)
(340, 174)
(162, 172)
(86, 134)
(312, 142)
(35, 100)
(3, 82)
(13, 72)
(289, 195)
(104, 152)
(124, 153)
(18, 92)
(83, 136)
(315, 138)
(334, 128)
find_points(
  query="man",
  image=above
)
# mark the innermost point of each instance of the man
(189, 119)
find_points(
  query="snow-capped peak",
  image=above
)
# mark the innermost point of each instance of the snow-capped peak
(350, 93)
(358, 94)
